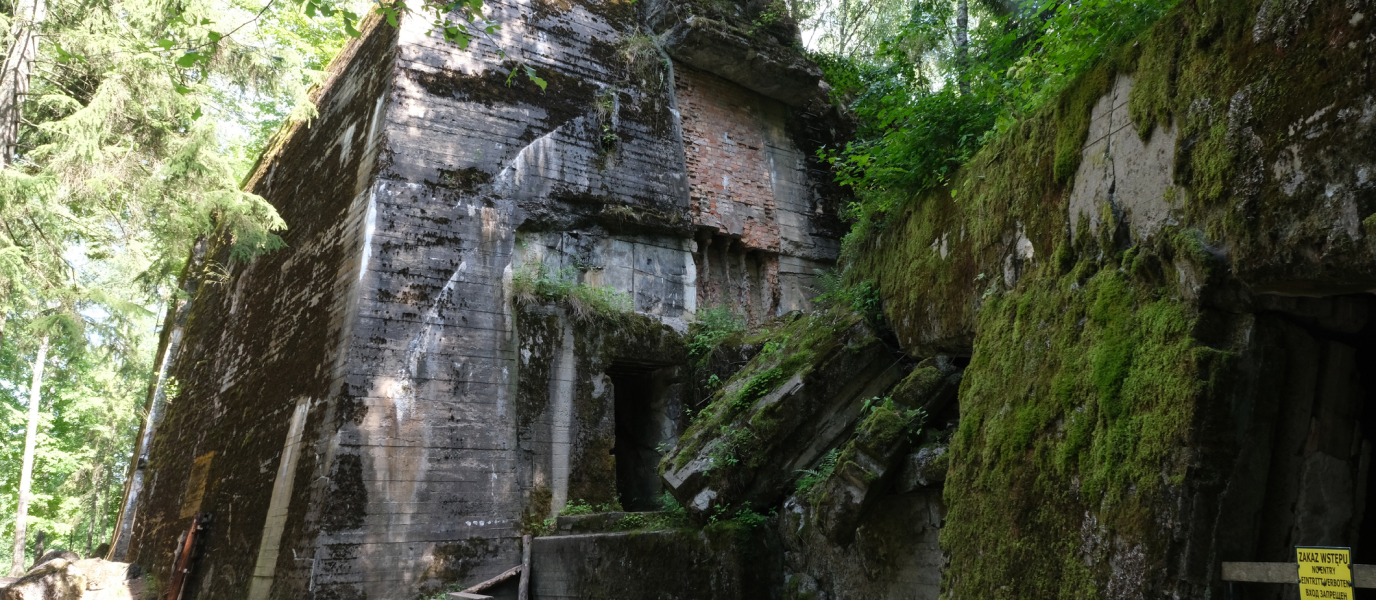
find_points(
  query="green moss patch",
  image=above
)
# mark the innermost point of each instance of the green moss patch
(1079, 403)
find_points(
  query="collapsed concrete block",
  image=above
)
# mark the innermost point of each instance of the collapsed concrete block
(719, 39)
(797, 399)
(895, 554)
(869, 462)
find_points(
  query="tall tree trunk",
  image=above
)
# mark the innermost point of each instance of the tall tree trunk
(91, 527)
(963, 45)
(26, 472)
(14, 78)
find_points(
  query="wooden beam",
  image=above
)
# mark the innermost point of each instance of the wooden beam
(1363, 576)
(508, 574)
(1259, 572)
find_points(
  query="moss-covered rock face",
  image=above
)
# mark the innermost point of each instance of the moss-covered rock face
(1078, 415)
(1271, 162)
(1098, 262)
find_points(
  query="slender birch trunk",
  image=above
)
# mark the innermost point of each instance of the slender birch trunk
(91, 526)
(963, 45)
(26, 472)
(14, 78)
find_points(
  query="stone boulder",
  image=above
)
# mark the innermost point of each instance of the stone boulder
(62, 578)
(925, 468)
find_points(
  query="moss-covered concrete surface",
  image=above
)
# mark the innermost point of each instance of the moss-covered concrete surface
(1105, 265)
(1111, 285)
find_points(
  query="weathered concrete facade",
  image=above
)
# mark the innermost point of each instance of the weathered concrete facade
(377, 410)
(1131, 340)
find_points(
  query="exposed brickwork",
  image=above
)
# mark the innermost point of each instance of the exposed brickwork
(751, 197)
(726, 131)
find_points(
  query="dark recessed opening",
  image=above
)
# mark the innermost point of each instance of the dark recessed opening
(643, 422)
(1311, 387)
(1364, 546)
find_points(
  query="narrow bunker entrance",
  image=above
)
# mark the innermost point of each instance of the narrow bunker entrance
(1307, 451)
(647, 408)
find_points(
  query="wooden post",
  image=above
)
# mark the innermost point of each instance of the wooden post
(525, 567)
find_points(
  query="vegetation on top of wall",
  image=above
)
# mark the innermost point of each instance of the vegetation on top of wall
(859, 296)
(535, 283)
(711, 328)
(645, 63)
(1209, 71)
(926, 105)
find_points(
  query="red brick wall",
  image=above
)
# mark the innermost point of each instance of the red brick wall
(724, 129)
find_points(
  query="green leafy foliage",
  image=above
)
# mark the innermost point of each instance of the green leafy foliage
(742, 518)
(132, 143)
(577, 507)
(757, 387)
(712, 327)
(924, 111)
(861, 297)
(811, 478)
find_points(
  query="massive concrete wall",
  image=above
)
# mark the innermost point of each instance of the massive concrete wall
(1147, 396)
(385, 415)
(265, 339)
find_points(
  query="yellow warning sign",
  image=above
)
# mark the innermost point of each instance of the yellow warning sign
(1325, 573)
(195, 485)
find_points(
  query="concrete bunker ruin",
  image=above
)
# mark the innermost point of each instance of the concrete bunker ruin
(445, 377)
(1125, 382)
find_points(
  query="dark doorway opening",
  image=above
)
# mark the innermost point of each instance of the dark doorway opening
(645, 408)
(1364, 542)
(1310, 389)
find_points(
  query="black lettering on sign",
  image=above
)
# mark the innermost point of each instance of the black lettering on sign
(1324, 573)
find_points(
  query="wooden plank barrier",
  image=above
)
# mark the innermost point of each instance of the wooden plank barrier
(1363, 576)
